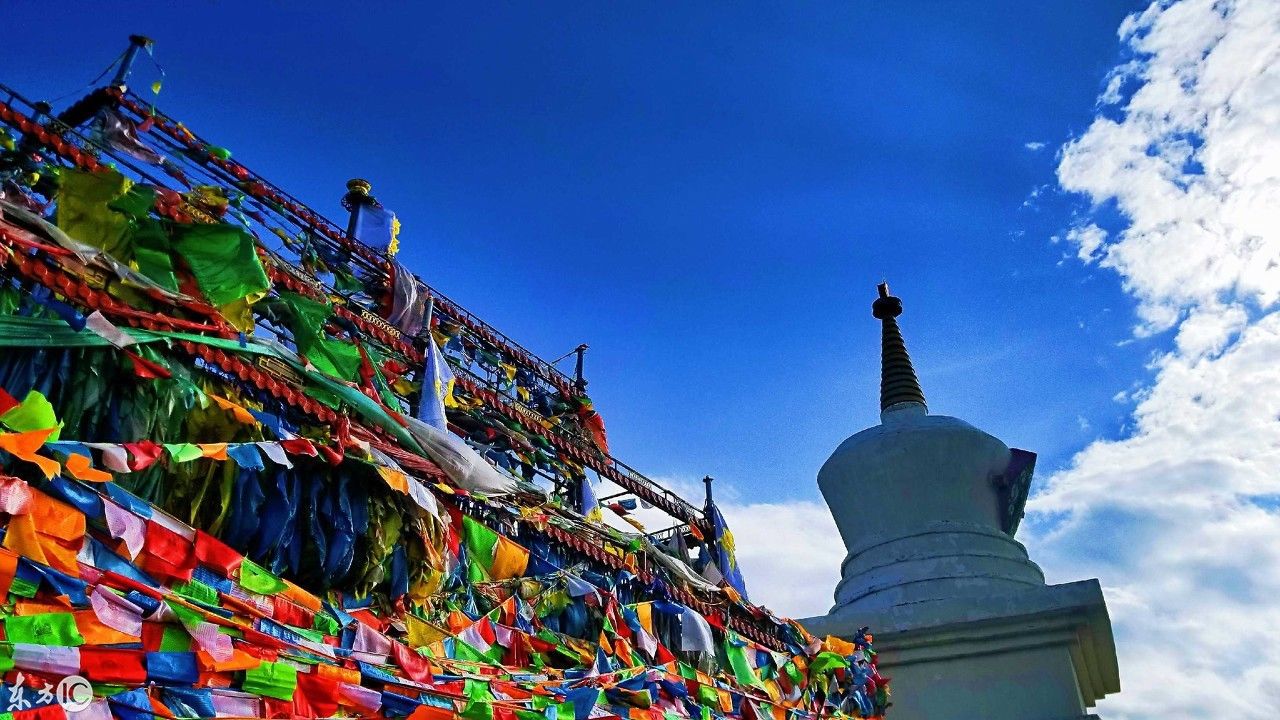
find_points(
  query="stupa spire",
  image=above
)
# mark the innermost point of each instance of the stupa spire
(898, 383)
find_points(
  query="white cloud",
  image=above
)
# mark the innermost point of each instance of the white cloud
(790, 552)
(1181, 517)
(1034, 145)
(1088, 240)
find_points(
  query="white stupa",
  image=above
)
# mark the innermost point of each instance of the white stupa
(927, 506)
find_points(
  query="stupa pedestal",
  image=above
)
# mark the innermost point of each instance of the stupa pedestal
(1037, 654)
(928, 507)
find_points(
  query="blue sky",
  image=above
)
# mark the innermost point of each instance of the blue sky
(706, 196)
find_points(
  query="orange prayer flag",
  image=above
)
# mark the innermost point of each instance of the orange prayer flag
(302, 598)
(726, 701)
(237, 411)
(24, 445)
(839, 646)
(214, 451)
(457, 621)
(96, 633)
(431, 712)
(34, 607)
(51, 533)
(48, 466)
(396, 479)
(341, 674)
(21, 538)
(80, 468)
(239, 660)
(8, 568)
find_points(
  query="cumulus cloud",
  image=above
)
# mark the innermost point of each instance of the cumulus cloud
(790, 552)
(1088, 240)
(1034, 145)
(1180, 518)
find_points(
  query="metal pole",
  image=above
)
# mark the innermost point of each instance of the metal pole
(136, 43)
(579, 382)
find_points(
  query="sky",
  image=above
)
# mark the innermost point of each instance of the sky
(1079, 204)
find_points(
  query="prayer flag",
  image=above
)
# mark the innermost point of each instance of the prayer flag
(437, 387)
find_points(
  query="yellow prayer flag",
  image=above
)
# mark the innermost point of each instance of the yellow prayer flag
(644, 611)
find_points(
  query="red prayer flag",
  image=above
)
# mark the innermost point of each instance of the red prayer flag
(216, 554)
(146, 369)
(7, 402)
(113, 666)
(166, 553)
(319, 694)
(331, 456)
(144, 453)
(299, 446)
(413, 664)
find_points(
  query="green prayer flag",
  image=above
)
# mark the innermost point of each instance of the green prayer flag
(481, 542)
(464, 651)
(476, 710)
(175, 638)
(29, 332)
(183, 452)
(326, 624)
(793, 672)
(35, 412)
(255, 578)
(6, 657)
(152, 253)
(24, 588)
(826, 661)
(345, 281)
(476, 690)
(54, 628)
(334, 357)
(312, 635)
(197, 591)
(708, 696)
(185, 615)
(224, 260)
(272, 679)
(737, 656)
